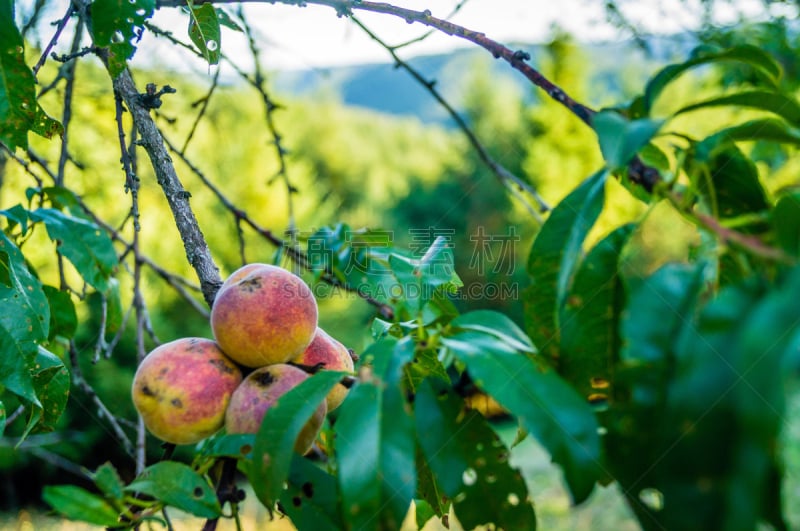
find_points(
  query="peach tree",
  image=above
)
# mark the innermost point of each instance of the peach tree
(671, 383)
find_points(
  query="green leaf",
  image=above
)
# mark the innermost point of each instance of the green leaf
(375, 445)
(275, 440)
(470, 463)
(753, 56)
(786, 222)
(117, 24)
(17, 86)
(768, 129)
(107, 480)
(726, 370)
(63, 318)
(17, 215)
(24, 321)
(590, 318)
(114, 313)
(176, 484)
(656, 311)
(45, 126)
(238, 445)
(226, 20)
(83, 243)
(620, 139)
(495, 324)
(24, 311)
(428, 488)
(734, 186)
(560, 419)
(784, 106)
(204, 31)
(51, 384)
(16, 360)
(422, 513)
(426, 364)
(79, 504)
(554, 257)
(312, 499)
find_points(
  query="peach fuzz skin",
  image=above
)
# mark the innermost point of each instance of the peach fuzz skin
(334, 357)
(182, 388)
(260, 391)
(263, 315)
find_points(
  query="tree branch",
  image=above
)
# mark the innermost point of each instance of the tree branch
(638, 172)
(197, 251)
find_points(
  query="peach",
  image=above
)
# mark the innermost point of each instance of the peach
(333, 356)
(182, 388)
(263, 315)
(259, 391)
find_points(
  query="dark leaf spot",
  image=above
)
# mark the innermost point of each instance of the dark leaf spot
(308, 489)
(296, 501)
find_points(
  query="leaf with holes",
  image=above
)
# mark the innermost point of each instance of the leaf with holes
(79, 504)
(311, 501)
(83, 243)
(375, 442)
(17, 85)
(178, 485)
(24, 321)
(543, 403)
(117, 24)
(554, 257)
(51, 384)
(472, 468)
(204, 31)
(590, 318)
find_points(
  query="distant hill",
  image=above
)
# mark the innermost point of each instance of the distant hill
(384, 88)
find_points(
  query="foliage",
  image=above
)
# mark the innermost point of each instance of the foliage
(669, 381)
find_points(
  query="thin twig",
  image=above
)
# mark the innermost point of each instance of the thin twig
(258, 82)
(203, 102)
(428, 33)
(79, 380)
(195, 246)
(293, 254)
(638, 172)
(59, 28)
(515, 184)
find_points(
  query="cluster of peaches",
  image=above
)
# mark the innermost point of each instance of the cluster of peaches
(263, 318)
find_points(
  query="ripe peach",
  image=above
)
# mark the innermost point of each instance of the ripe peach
(334, 357)
(260, 391)
(182, 388)
(263, 315)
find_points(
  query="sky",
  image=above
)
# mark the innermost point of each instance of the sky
(313, 37)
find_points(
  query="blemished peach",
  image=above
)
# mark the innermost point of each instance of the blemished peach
(334, 357)
(259, 391)
(182, 388)
(263, 315)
